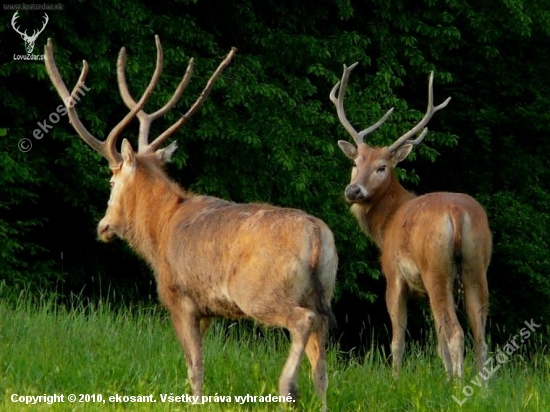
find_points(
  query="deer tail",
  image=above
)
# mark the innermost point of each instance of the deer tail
(322, 277)
(457, 220)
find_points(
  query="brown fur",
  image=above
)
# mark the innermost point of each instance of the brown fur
(215, 258)
(424, 241)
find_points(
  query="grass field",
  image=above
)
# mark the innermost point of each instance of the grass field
(46, 349)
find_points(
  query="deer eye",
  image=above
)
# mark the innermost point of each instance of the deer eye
(381, 169)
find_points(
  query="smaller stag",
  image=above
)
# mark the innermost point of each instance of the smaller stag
(29, 40)
(430, 244)
(211, 257)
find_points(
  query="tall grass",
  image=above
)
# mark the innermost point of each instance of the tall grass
(47, 348)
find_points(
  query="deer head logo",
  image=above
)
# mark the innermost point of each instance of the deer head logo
(29, 40)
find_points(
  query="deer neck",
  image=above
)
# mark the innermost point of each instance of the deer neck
(149, 215)
(375, 215)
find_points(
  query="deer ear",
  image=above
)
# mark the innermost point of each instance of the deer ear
(165, 155)
(401, 153)
(128, 154)
(348, 149)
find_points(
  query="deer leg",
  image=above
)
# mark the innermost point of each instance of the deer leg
(298, 320)
(456, 344)
(315, 351)
(476, 297)
(396, 302)
(450, 335)
(299, 323)
(442, 344)
(187, 325)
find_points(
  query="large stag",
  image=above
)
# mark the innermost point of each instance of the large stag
(429, 244)
(211, 257)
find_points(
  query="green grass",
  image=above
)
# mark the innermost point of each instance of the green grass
(48, 349)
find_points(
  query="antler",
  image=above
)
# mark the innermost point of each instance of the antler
(339, 103)
(107, 148)
(429, 113)
(145, 119)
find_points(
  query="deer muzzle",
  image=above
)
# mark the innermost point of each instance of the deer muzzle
(105, 231)
(355, 193)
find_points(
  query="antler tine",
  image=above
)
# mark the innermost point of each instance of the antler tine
(68, 100)
(339, 103)
(198, 103)
(134, 107)
(146, 119)
(376, 125)
(429, 113)
(177, 94)
(420, 137)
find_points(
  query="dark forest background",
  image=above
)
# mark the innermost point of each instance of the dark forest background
(268, 132)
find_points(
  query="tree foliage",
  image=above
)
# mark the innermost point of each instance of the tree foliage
(268, 131)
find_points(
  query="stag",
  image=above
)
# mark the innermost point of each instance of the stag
(429, 244)
(212, 257)
(29, 40)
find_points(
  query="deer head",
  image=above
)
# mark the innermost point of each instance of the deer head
(123, 164)
(373, 166)
(29, 40)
